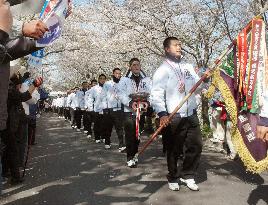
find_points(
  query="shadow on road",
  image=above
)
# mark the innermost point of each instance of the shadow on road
(260, 193)
(66, 169)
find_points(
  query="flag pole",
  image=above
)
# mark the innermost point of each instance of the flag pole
(216, 63)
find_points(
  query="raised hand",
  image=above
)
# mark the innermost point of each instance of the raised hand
(34, 29)
(38, 81)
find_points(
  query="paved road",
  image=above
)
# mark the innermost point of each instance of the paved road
(66, 169)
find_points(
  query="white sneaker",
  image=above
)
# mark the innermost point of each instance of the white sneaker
(174, 186)
(190, 183)
(98, 141)
(122, 149)
(107, 146)
(103, 140)
(75, 127)
(131, 163)
(85, 131)
(136, 160)
(78, 130)
(215, 140)
(89, 136)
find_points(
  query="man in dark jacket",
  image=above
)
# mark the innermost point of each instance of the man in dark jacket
(13, 49)
(16, 115)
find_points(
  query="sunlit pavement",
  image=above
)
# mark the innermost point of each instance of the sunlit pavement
(67, 169)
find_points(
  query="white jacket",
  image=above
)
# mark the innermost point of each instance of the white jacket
(61, 102)
(32, 101)
(128, 86)
(92, 100)
(65, 102)
(80, 97)
(165, 93)
(109, 96)
(87, 102)
(68, 102)
(53, 104)
(72, 102)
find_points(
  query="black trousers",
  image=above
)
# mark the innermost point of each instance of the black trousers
(113, 118)
(10, 158)
(163, 133)
(88, 119)
(31, 131)
(72, 113)
(66, 113)
(98, 126)
(78, 117)
(60, 111)
(132, 143)
(183, 140)
(146, 119)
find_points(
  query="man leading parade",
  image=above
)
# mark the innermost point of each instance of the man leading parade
(171, 83)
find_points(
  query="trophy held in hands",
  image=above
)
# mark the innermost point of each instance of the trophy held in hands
(139, 103)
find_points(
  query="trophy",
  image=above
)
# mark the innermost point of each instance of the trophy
(140, 105)
(140, 101)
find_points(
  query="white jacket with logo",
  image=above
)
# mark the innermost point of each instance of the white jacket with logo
(80, 97)
(128, 86)
(109, 96)
(92, 99)
(165, 93)
(71, 101)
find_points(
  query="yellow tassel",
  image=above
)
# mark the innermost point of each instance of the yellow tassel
(251, 164)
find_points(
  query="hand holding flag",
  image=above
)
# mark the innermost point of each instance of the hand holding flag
(53, 15)
(34, 29)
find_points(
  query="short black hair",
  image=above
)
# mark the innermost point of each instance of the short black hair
(76, 88)
(102, 75)
(26, 75)
(93, 81)
(132, 60)
(167, 41)
(84, 82)
(115, 69)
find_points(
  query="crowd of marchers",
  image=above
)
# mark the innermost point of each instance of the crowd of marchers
(133, 103)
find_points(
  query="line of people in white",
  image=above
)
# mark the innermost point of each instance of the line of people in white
(111, 104)
(108, 105)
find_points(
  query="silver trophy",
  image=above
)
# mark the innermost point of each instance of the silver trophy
(140, 101)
